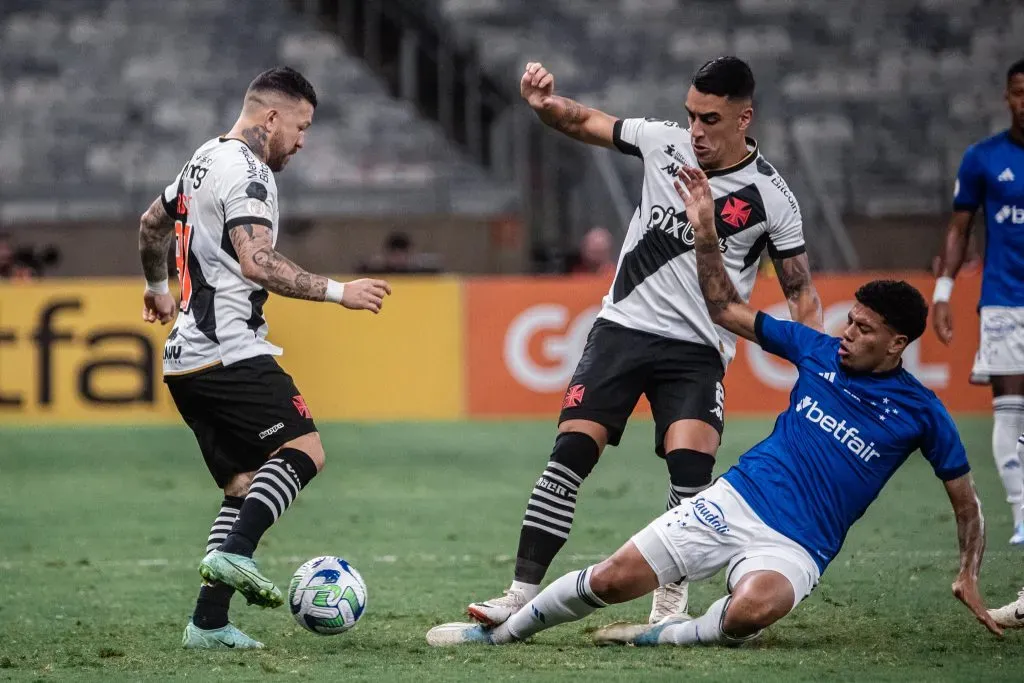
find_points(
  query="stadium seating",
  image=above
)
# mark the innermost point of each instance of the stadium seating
(108, 97)
(889, 92)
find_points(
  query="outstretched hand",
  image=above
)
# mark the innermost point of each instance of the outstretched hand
(696, 194)
(966, 591)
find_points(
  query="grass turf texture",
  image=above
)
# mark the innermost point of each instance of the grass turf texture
(101, 530)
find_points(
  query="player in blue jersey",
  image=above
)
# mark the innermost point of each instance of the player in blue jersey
(779, 516)
(991, 177)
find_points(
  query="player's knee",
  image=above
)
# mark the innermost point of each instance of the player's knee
(607, 580)
(239, 485)
(577, 452)
(624, 576)
(311, 445)
(751, 610)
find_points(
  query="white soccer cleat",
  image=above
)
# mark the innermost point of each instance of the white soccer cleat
(1018, 535)
(670, 602)
(496, 611)
(457, 633)
(641, 635)
(1010, 616)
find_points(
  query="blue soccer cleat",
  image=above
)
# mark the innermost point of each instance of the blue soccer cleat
(641, 635)
(1018, 535)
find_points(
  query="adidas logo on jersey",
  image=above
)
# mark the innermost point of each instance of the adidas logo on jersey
(1012, 213)
(1006, 176)
(829, 376)
(847, 436)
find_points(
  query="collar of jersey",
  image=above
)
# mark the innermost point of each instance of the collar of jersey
(743, 163)
(224, 138)
(867, 373)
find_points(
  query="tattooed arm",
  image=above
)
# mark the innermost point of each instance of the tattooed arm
(270, 269)
(970, 531)
(564, 115)
(156, 230)
(794, 275)
(723, 301)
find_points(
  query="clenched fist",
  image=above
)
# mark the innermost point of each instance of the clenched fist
(366, 294)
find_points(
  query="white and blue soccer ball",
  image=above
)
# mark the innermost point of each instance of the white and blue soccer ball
(327, 595)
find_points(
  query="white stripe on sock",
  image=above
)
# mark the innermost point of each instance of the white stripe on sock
(560, 534)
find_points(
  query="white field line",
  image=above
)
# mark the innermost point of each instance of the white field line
(855, 558)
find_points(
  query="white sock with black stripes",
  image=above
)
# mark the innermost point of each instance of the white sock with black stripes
(273, 489)
(569, 598)
(704, 630)
(224, 522)
(1007, 425)
(212, 604)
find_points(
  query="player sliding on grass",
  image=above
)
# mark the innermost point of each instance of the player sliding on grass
(778, 517)
(653, 335)
(253, 427)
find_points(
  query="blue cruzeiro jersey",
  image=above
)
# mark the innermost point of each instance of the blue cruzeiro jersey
(841, 439)
(992, 173)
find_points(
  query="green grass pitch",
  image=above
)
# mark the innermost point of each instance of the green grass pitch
(101, 530)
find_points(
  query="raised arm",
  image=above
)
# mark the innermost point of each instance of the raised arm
(723, 301)
(156, 230)
(970, 530)
(954, 250)
(564, 115)
(794, 275)
(270, 269)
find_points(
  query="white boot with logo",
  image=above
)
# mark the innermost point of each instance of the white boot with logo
(670, 602)
(1010, 616)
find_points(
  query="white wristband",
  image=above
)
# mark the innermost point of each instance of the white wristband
(159, 287)
(335, 291)
(943, 290)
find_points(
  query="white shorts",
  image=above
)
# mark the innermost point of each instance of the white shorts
(718, 529)
(1001, 349)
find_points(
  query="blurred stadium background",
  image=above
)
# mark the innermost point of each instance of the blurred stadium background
(423, 162)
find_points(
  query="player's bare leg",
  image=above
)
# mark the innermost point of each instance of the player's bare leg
(690, 446)
(548, 518)
(274, 487)
(1007, 427)
(759, 599)
(624, 576)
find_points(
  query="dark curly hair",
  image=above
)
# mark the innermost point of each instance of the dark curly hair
(901, 306)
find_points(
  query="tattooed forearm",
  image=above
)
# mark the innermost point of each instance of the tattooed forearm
(715, 283)
(970, 524)
(256, 138)
(564, 115)
(156, 230)
(262, 264)
(794, 275)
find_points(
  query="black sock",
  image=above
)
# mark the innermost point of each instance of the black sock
(552, 505)
(273, 489)
(689, 473)
(212, 605)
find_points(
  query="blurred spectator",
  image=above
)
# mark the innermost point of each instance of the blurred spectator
(24, 263)
(399, 256)
(595, 254)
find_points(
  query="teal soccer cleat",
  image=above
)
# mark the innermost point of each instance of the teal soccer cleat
(458, 634)
(223, 638)
(240, 573)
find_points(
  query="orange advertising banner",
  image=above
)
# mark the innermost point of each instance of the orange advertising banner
(525, 335)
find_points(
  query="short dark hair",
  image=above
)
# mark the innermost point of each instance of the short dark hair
(901, 306)
(728, 77)
(285, 80)
(1015, 68)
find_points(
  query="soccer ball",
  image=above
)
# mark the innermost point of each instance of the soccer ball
(327, 595)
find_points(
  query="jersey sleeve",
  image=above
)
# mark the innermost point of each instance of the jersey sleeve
(637, 137)
(969, 188)
(787, 339)
(941, 445)
(247, 202)
(170, 196)
(786, 232)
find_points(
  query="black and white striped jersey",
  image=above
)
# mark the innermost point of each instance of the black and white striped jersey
(221, 318)
(656, 288)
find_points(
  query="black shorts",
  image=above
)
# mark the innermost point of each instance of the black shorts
(240, 413)
(682, 381)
